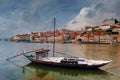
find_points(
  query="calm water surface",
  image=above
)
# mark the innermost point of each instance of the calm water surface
(21, 69)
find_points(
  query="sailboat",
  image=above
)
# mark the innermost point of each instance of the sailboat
(41, 57)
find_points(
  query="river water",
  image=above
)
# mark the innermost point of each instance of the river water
(20, 68)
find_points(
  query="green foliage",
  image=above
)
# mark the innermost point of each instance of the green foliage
(109, 31)
(115, 33)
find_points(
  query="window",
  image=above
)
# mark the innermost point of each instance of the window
(81, 60)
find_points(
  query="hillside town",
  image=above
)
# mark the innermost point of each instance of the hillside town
(108, 32)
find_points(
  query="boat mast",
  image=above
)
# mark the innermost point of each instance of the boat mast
(54, 38)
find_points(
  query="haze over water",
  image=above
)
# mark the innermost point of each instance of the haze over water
(20, 69)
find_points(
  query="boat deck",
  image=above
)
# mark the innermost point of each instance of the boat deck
(51, 59)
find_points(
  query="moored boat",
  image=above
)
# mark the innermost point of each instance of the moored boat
(41, 57)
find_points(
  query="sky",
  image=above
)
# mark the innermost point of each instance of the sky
(25, 16)
(95, 14)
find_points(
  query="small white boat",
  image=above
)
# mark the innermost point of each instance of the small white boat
(41, 57)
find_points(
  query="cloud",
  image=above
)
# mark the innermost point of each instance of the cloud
(87, 12)
(25, 16)
(34, 10)
(95, 14)
(21, 18)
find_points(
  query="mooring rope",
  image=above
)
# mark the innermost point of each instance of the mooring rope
(113, 67)
(63, 53)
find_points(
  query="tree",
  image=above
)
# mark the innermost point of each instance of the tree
(109, 31)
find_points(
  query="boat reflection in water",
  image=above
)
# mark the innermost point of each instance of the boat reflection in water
(43, 72)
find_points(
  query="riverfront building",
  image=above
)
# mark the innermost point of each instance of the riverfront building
(108, 32)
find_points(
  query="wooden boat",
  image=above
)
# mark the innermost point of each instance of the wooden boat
(41, 57)
(67, 41)
(67, 62)
(93, 42)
